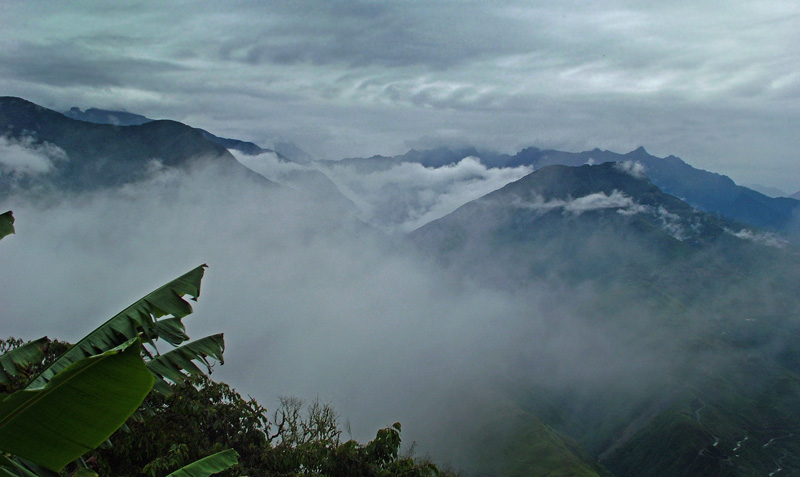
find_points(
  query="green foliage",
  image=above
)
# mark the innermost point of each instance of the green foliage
(137, 319)
(210, 465)
(68, 399)
(6, 224)
(176, 364)
(297, 439)
(77, 410)
(23, 364)
(14, 361)
(202, 416)
(84, 393)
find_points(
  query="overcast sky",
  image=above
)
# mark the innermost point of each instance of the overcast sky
(716, 83)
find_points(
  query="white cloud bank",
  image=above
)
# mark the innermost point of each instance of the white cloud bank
(596, 201)
(635, 169)
(673, 224)
(764, 238)
(268, 165)
(409, 195)
(26, 157)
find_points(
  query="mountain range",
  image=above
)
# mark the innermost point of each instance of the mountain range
(124, 118)
(653, 262)
(670, 347)
(88, 156)
(707, 191)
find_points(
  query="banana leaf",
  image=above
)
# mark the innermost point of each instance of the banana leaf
(25, 355)
(177, 365)
(77, 410)
(6, 224)
(11, 468)
(139, 318)
(209, 465)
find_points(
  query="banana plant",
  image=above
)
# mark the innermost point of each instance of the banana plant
(77, 410)
(208, 465)
(87, 393)
(14, 360)
(6, 224)
(140, 318)
(156, 316)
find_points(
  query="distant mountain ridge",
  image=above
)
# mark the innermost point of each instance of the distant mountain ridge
(708, 191)
(124, 118)
(705, 190)
(104, 155)
(563, 207)
(104, 116)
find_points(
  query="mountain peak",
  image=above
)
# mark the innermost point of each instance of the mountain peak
(104, 116)
(639, 151)
(102, 155)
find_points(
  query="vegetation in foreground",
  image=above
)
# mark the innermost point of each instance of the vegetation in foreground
(61, 403)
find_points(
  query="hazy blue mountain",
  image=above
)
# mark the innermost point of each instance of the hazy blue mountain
(98, 155)
(87, 156)
(796, 195)
(543, 221)
(705, 190)
(103, 116)
(766, 190)
(293, 152)
(702, 189)
(124, 118)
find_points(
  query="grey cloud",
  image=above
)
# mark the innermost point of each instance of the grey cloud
(579, 205)
(66, 64)
(359, 34)
(711, 84)
(635, 169)
(669, 222)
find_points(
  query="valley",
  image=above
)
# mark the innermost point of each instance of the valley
(543, 313)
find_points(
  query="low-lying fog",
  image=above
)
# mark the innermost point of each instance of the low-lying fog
(311, 305)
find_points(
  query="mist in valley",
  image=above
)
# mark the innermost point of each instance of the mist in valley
(318, 304)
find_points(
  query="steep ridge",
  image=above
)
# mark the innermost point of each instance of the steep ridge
(311, 182)
(708, 306)
(707, 191)
(124, 118)
(588, 222)
(104, 116)
(94, 156)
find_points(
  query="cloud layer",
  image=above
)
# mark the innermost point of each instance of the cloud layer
(310, 306)
(25, 157)
(406, 196)
(715, 85)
